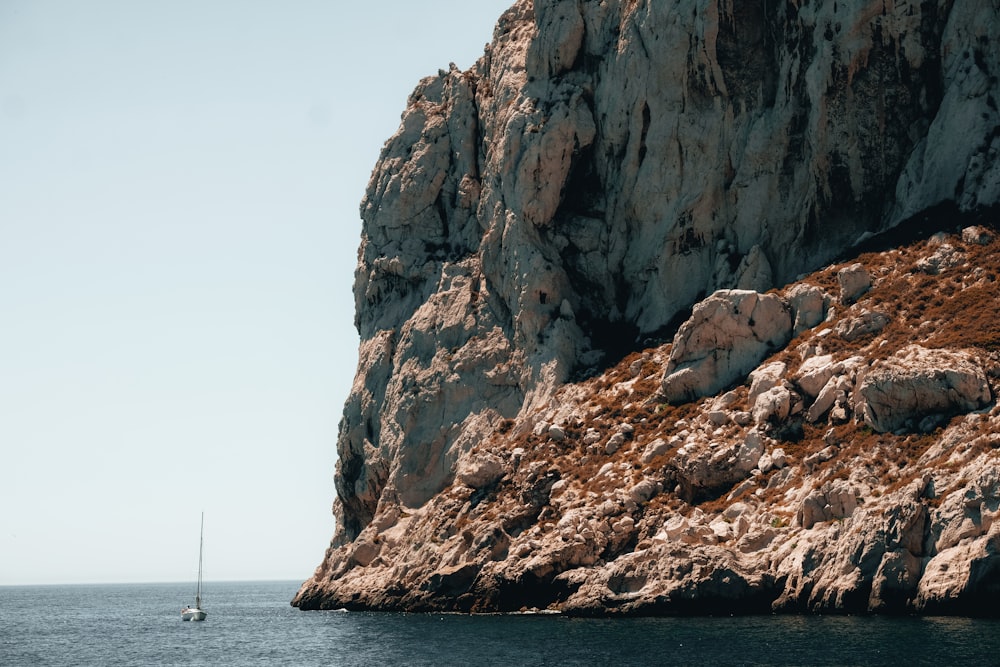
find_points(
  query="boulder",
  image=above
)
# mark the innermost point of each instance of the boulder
(900, 391)
(834, 500)
(643, 491)
(479, 471)
(725, 401)
(718, 417)
(701, 467)
(868, 323)
(810, 462)
(655, 448)
(977, 234)
(779, 458)
(834, 391)
(809, 305)
(765, 378)
(945, 257)
(814, 373)
(727, 335)
(854, 281)
(774, 405)
(614, 443)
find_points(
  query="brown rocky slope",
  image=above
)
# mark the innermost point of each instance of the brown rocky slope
(574, 197)
(788, 492)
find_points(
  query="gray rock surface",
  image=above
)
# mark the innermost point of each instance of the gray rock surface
(621, 159)
(854, 281)
(601, 169)
(915, 382)
(809, 305)
(727, 335)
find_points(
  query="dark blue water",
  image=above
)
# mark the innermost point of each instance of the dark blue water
(252, 624)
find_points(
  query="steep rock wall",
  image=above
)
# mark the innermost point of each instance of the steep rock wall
(607, 164)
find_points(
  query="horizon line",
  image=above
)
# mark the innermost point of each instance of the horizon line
(153, 583)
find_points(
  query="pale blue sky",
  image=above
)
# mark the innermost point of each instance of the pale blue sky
(179, 189)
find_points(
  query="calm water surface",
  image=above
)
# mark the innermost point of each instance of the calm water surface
(252, 624)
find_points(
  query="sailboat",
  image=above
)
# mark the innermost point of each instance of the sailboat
(196, 613)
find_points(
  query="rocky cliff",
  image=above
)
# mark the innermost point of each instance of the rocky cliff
(578, 387)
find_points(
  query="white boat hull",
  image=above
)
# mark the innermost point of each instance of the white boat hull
(193, 614)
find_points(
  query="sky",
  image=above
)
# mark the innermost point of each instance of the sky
(179, 191)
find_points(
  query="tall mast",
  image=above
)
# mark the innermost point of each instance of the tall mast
(201, 544)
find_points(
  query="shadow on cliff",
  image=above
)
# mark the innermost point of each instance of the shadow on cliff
(944, 217)
(617, 340)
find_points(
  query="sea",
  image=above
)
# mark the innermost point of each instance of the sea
(251, 623)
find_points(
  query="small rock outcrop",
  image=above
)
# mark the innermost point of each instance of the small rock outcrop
(854, 281)
(810, 305)
(917, 383)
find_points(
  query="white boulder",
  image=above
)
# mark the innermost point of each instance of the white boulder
(915, 382)
(854, 281)
(727, 335)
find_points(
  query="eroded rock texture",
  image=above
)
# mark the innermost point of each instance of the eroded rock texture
(602, 168)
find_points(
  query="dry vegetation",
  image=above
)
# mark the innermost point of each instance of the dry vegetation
(957, 308)
(610, 487)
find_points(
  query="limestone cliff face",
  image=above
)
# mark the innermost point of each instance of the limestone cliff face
(601, 169)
